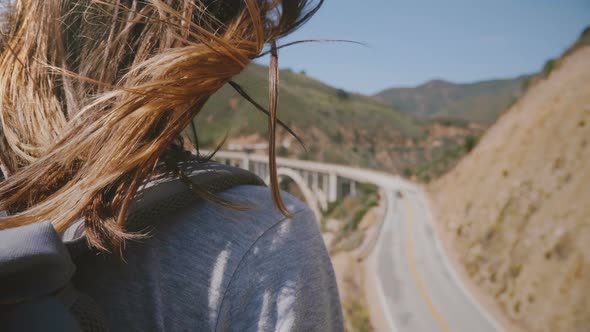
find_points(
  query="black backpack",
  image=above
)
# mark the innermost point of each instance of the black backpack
(36, 265)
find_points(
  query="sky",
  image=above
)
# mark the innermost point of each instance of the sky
(413, 41)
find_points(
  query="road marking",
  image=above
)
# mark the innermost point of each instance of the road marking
(381, 296)
(380, 292)
(409, 220)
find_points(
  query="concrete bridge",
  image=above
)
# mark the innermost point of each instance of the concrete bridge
(319, 183)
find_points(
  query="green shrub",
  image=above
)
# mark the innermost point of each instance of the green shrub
(470, 143)
(548, 68)
(342, 94)
(407, 172)
(282, 151)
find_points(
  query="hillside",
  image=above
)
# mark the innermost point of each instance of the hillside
(336, 126)
(479, 102)
(552, 64)
(516, 210)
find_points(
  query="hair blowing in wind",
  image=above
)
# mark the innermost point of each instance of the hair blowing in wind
(94, 91)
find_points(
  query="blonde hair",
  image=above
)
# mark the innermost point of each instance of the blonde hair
(94, 91)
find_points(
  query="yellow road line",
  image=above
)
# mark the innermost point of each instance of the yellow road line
(410, 254)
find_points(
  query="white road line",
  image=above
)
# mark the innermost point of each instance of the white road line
(381, 293)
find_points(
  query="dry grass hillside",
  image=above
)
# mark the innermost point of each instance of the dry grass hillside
(337, 126)
(517, 209)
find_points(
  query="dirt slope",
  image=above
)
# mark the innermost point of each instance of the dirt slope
(517, 210)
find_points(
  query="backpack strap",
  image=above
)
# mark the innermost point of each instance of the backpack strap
(33, 262)
(35, 271)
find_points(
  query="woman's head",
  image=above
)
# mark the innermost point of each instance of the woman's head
(94, 91)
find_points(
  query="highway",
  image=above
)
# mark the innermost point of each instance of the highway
(411, 285)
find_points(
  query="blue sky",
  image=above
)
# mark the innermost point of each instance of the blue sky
(413, 41)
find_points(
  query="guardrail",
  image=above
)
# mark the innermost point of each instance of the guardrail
(371, 240)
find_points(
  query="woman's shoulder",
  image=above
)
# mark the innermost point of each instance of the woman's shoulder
(168, 205)
(285, 275)
(259, 210)
(249, 213)
(220, 258)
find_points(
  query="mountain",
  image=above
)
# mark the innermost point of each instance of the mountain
(515, 211)
(479, 102)
(337, 126)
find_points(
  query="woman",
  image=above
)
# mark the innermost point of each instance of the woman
(94, 93)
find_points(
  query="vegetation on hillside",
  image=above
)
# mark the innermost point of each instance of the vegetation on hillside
(443, 158)
(356, 315)
(344, 217)
(552, 64)
(479, 102)
(304, 103)
(337, 126)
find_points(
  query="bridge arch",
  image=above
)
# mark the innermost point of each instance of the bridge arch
(308, 194)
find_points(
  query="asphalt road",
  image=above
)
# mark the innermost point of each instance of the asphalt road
(415, 286)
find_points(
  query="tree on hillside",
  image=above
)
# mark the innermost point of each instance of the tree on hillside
(342, 94)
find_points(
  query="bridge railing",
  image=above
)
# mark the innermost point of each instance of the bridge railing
(349, 172)
(387, 183)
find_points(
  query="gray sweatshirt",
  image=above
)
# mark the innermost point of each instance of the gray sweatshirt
(210, 268)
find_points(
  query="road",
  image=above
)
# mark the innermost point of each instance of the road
(413, 284)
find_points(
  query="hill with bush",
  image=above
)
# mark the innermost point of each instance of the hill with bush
(515, 210)
(479, 102)
(337, 126)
